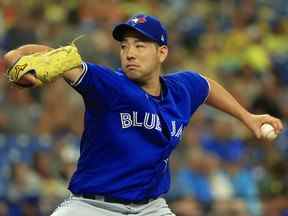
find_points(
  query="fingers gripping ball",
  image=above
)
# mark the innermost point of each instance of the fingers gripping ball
(268, 132)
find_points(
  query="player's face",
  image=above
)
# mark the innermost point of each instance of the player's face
(141, 59)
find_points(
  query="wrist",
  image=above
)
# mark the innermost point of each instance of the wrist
(246, 117)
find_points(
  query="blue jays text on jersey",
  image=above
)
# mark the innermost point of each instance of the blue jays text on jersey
(150, 121)
(128, 134)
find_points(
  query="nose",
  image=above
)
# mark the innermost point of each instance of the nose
(131, 53)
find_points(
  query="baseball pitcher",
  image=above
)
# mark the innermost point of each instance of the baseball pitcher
(134, 117)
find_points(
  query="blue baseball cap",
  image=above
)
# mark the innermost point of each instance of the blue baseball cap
(148, 26)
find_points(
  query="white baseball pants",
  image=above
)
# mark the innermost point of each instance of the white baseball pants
(78, 206)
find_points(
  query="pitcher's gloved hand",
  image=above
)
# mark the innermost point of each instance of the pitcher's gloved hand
(39, 68)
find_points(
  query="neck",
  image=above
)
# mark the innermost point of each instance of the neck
(153, 87)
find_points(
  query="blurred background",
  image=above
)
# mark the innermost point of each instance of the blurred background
(219, 169)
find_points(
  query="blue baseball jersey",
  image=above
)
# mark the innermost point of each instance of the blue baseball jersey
(128, 134)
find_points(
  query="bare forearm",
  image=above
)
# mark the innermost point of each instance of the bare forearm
(224, 101)
(73, 75)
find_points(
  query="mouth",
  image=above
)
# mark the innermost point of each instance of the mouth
(132, 66)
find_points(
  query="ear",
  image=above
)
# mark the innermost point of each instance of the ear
(163, 53)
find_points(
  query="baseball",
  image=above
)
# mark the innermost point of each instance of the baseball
(268, 132)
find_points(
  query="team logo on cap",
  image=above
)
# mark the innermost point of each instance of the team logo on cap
(138, 20)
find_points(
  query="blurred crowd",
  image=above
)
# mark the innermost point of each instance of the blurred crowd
(219, 169)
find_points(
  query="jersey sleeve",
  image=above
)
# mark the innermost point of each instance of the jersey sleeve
(197, 86)
(96, 82)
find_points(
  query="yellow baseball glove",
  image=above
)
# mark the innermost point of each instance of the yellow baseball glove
(46, 67)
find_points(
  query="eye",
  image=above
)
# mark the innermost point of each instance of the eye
(123, 46)
(140, 46)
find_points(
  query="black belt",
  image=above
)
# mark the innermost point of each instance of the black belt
(113, 200)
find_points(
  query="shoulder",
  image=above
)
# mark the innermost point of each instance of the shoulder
(96, 75)
(186, 77)
(96, 67)
(193, 83)
(101, 71)
(182, 74)
(92, 67)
